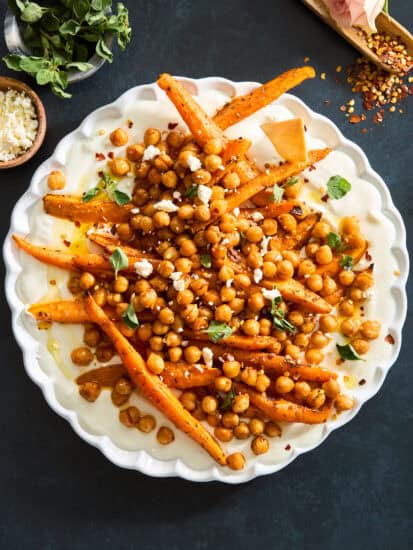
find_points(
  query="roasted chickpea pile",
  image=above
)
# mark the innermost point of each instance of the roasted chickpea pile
(210, 284)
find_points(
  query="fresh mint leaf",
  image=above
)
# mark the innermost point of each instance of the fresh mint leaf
(348, 353)
(337, 187)
(277, 193)
(129, 317)
(334, 242)
(347, 262)
(206, 260)
(118, 260)
(120, 197)
(32, 64)
(217, 330)
(91, 194)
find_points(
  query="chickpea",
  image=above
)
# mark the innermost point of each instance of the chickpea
(315, 282)
(159, 328)
(121, 284)
(254, 234)
(306, 268)
(213, 419)
(123, 386)
(104, 353)
(260, 445)
(343, 402)
(242, 431)
(124, 231)
(226, 273)
(184, 265)
(201, 177)
(129, 417)
(236, 461)
(249, 376)
(119, 167)
(269, 270)
(356, 295)
(302, 390)
(223, 383)
(251, 327)
(166, 316)
(360, 346)
(269, 227)
(292, 351)
(223, 313)
(230, 419)
(364, 281)
(324, 255)
(192, 354)
(81, 356)
(329, 286)
(311, 249)
(188, 400)
(165, 435)
(161, 219)
(265, 327)
(218, 207)
(237, 305)
(321, 230)
(187, 248)
(118, 137)
(272, 429)
(346, 277)
(347, 308)
(175, 354)
(350, 225)
(147, 299)
(146, 423)
(155, 363)
(190, 313)
(202, 213)
(316, 398)
(223, 434)
(263, 382)
(331, 388)
(156, 343)
(90, 391)
(118, 399)
(91, 336)
(240, 403)
(175, 139)
(213, 146)
(285, 269)
(152, 136)
(231, 180)
(73, 285)
(301, 340)
(135, 152)
(318, 340)
(370, 329)
(212, 162)
(349, 327)
(209, 404)
(256, 302)
(56, 180)
(287, 222)
(284, 384)
(314, 356)
(169, 179)
(256, 426)
(296, 317)
(87, 280)
(242, 281)
(328, 323)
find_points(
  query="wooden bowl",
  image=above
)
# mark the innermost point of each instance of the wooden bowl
(13, 84)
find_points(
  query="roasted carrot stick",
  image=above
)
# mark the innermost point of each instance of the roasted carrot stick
(243, 106)
(72, 208)
(63, 311)
(281, 410)
(201, 126)
(109, 243)
(239, 341)
(334, 267)
(184, 375)
(294, 291)
(152, 387)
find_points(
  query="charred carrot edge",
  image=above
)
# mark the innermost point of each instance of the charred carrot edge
(109, 243)
(281, 410)
(237, 341)
(63, 311)
(72, 208)
(294, 291)
(200, 125)
(152, 387)
(184, 375)
(243, 106)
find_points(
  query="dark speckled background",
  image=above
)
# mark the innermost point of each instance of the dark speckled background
(355, 491)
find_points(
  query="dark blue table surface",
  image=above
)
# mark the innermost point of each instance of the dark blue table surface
(355, 491)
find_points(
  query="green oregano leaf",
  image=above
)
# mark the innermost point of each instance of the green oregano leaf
(348, 353)
(206, 260)
(118, 260)
(334, 242)
(347, 262)
(129, 317)
(217, 330)
(337, 187)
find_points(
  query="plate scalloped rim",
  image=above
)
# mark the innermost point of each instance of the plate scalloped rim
(142, 460)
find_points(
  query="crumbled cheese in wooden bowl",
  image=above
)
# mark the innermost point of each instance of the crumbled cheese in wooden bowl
(18, 124)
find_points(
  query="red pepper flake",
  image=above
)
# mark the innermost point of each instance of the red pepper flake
(172, 125)
(343, 108)
(306, 59)
(306, 180)
(362, 382)
(100, 173)
(364, 130)
(66, 243)
(312, 167)
(327, 102)
(52, 282)
(111, 154)
(354, 119)
(305, 128)
(389, 339)
(287, 447)
(77, 224)
(368, 256)
(130, 123)
(379, 117)
(100, 156)
(324, 198)
(337, 80)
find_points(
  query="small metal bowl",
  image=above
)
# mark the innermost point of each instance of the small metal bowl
(13, 84)
(14, 42)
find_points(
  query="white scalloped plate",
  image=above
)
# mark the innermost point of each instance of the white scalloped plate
(26, 281)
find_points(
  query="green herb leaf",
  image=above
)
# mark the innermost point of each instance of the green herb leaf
(191, 192)
(118, 260)
(91, 194)
(347, 262)
(129, 317)
(348, 353)
(337, 187)
(277, 193)
(228, 399)
(70, 27)
(80, 8)
(32, 64)
(103, 51)
(290, 182)
(44, 76)
(334, 242)
(206, 260)
(13, 61)
(79, 65)
(120, 197)
(32, 12)
(278, 316)
(218, 330)
(58, 90)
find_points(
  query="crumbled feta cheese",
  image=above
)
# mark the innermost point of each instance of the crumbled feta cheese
(18, 124)
(177, 282)
(257, 216)
(264, 245)
(194, 163)
(237, 212)
(176, 195)
(208, 356)
(225, 241)
(258, 275)
(150, 153)
(204, 194)
(228, 284)
(135, 210)
(166, 206)
(270, 294)
(143, 268)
